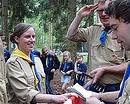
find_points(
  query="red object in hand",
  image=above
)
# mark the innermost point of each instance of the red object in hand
(76, 100)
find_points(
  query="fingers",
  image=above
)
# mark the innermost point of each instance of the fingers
(93, 7)
(71, 94)
(93, 73)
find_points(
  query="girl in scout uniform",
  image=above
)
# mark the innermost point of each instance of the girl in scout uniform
(67, 67)
(80, 68)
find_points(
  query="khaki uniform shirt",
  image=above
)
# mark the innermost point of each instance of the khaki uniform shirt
(3, 94)
(21, 86)
(125, 98)
(109, 55)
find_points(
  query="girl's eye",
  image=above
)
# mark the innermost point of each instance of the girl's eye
(29, 36)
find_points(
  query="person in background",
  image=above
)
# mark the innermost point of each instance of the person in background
(79, 69)
(104, 53)
(50, 64)
(66, 68)
(24, 81)
(3, 92)
(118, 11)
(6, 52)
(2, 36)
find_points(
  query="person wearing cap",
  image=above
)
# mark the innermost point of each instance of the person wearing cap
(104, 53)
(24, 78)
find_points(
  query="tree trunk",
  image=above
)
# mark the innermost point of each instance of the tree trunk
(71, 16)
(5, 19)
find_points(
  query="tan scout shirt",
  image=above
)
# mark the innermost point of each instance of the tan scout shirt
(109, 55)
(21, 86)
(125, 98)
(40, 70)
(3, 94)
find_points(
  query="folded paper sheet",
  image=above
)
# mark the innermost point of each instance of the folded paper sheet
(80, 91)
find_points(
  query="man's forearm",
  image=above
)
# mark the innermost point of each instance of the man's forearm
(74, 27)
(110, 96)
(117, 68)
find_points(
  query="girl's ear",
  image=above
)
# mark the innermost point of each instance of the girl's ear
(16, 39)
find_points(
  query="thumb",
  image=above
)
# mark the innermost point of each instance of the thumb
(94, 80)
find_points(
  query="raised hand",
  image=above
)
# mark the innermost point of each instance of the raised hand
(86, 10)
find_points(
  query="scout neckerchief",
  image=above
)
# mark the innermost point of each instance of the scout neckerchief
(65, 67)
(35, 70)
(126, 76)
(19, 53)
(103, 36)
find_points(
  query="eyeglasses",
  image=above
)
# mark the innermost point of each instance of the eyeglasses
(100, 11)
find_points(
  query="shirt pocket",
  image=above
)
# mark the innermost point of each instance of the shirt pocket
(95, 48)
(30, 80)
(115, 52)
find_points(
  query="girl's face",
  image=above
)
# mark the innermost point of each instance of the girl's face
(26, 41)
(79, 59)
(65, 56)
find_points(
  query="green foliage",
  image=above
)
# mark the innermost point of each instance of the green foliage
(42, 13)
(54, 11)
(19, 9)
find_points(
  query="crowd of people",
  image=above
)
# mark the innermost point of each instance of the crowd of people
(29, 72)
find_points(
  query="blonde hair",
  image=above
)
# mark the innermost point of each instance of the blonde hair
(68, 53)
(78, 55)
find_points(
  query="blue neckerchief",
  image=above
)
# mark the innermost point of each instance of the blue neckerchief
(65, 67)
(104, 35)
(36, 73)
(126, 76)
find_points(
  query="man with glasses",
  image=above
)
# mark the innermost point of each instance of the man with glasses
(104, 53)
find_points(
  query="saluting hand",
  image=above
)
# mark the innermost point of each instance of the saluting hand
(86, 10)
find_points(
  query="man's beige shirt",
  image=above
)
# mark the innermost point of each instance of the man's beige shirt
(111, 54)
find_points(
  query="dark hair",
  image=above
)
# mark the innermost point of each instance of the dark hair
(119, 9)
(19, 30)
